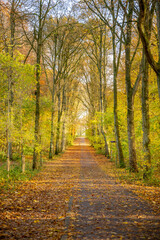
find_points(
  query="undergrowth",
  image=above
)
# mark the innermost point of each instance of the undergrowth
(8, 180)
(125, 176)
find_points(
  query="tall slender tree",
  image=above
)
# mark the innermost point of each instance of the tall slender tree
(114, 11)
(145, 38)
(96, 42)
(129, 90)
(39, 16)
(145, 91)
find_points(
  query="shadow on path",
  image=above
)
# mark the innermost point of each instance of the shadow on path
(72, 198)
(103, 209)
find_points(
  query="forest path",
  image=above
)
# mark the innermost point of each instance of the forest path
(72, 198)
(103, 209)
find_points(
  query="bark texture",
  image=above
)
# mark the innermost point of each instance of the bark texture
(129, 90)
(37, 92)
(145, 39)
(115, 70)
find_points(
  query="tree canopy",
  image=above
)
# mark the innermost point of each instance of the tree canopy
(81, 67)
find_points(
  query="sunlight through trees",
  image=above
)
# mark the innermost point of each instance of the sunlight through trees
(87, 67)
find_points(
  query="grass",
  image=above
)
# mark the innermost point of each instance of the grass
(125, 176)
(8, 180)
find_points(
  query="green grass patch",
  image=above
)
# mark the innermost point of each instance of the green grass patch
(3, 156)
(126, 176)
(8, 180)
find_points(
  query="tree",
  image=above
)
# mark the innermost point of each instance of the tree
(116, 61)
(96, 46)
(101, 9)
(22, 76)
(145, 38)
(114, 11)
(39, 16)
(145, 91)
(129, 89)
(10, 12)
(51, 61)
(61, 56)
(68, 61)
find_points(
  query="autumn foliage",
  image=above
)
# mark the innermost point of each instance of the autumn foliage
(68, 73)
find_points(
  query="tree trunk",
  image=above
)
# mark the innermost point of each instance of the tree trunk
(145, 98)
(23, 163)
(37, 93)
(104, 72)
(63, 143)
(106, 144)
(158, 23)
(40, 155)
(57, 150)
(21, 142)
(116, 123)
(57, 137)
(12, 27)
(9, 123)
(144, 37)
(158, 28)
(158, 82)
(51, 149)
(101, 94)
(118, 142)
(10, 86)
(37, 116)
(129, 90)
(145, 113)
(131, 135)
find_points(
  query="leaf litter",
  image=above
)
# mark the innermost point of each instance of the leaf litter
(101, 208)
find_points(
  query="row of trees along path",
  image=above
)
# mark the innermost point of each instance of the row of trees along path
(60, 58)
(73, 198)
(62, 62)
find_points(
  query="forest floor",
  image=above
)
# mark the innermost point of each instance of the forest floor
(77, 196)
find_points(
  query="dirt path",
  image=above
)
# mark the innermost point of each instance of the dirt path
(74, 199)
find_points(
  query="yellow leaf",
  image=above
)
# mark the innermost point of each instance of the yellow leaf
(36, 221)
